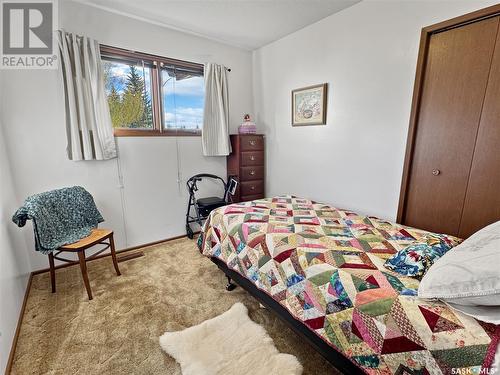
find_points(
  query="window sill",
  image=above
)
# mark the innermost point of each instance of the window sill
(155, 133)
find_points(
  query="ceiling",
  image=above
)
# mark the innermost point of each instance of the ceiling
(248, 24)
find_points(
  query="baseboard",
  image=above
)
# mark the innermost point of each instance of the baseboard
(130, 256)
(10, 361)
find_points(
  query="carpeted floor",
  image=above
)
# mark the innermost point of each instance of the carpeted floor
(172, 287)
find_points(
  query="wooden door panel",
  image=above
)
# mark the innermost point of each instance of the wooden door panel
(455, 80)
(482, 202)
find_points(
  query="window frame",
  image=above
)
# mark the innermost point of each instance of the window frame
(157, 63)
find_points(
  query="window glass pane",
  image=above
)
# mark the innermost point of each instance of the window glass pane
(128, 87)
(182, 98)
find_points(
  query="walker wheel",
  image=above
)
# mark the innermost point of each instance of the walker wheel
(189, 232)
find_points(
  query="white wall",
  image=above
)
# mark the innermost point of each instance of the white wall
(155, 203)
(14, 264)
(367, 54)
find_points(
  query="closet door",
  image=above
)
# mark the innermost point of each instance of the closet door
(482, 202)
(454, 85)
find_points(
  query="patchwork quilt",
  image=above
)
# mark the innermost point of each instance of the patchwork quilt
(325, 266)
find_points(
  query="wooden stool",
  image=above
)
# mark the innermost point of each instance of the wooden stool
(96, 237)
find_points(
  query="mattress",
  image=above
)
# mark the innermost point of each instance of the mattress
(325, 266)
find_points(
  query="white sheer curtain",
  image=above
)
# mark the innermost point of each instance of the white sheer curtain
(88, 123)
(215, 132)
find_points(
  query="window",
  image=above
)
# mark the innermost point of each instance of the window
(128, 87)
(152, 95)
(183, 95)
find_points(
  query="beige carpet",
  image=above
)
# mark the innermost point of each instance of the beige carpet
(171, 288)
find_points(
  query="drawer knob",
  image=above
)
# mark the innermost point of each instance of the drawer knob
(252, 157)
(252, 143)
(252, 187)
(252, 173)
(436, 172)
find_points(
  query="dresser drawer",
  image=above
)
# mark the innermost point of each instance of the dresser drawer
(252, 158)
(251, 143)
(252, 187)
(246, 198)
(251, 173)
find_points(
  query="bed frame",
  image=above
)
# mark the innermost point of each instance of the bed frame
(339, 361)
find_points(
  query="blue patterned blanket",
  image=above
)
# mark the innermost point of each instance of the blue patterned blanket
(59, 217)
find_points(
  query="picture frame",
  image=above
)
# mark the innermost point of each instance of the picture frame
(309, 105)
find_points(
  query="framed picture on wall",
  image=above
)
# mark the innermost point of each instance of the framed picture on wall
(309, 105)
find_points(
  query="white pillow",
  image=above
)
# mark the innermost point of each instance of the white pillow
(489, 314)
(468, 274)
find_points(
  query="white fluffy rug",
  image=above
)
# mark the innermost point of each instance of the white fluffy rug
(229, 344)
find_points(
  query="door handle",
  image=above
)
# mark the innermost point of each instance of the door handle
(252, 143)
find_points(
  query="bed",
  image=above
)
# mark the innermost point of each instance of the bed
(321, 269)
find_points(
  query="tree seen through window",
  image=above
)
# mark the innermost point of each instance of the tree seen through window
(128, 88)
